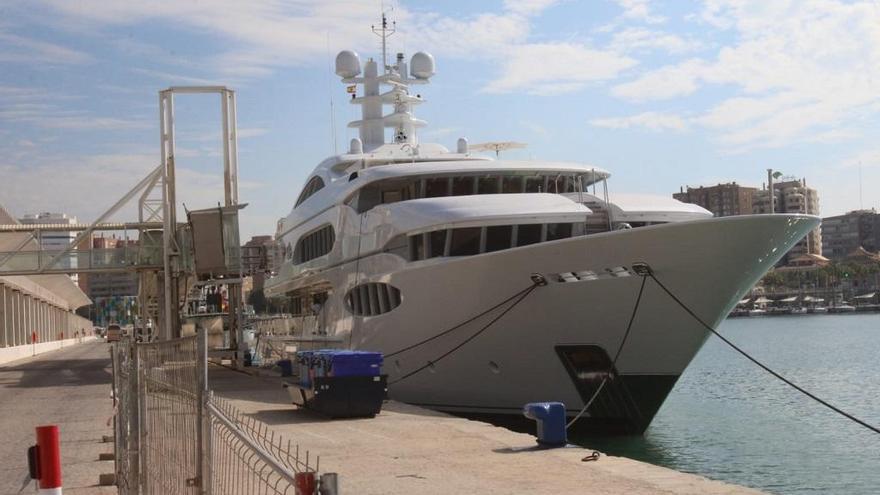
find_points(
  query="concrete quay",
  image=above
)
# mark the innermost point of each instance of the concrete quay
(407, 449)
(69, 387)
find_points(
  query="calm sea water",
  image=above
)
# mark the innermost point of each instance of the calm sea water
(729, 420)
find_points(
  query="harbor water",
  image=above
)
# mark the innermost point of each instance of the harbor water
(729, 420)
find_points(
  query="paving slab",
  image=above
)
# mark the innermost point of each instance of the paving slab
(408, 449)
(70, 388)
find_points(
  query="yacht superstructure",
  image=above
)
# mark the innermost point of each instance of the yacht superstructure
(421, 252)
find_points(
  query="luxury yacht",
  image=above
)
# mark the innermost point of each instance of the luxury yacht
(491, 283)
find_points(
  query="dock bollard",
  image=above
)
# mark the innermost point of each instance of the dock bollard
(305, 483)
(44, 460)
(550, 417)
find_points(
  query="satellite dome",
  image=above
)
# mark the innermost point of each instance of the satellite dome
(348, 64)
(422, 65)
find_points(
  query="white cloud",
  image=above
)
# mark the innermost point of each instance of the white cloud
(270, 34)
(639, 10)
(528, 7)
(50, 117)
(19, 49)
(553, 68)
(799, 71)
(638, 39)
(664, 83)
(653, 121)
(176, 78)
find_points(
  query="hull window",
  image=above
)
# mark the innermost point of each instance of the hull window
(372, 299)
(314, 245)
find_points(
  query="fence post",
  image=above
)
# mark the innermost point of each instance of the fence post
(134, 447)
(203, 444)
(114, 366)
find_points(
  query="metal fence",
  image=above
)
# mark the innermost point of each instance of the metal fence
(172, 436)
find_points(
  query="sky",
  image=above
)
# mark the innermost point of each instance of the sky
(662, 94)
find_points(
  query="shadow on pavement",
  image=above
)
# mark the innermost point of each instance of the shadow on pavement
(58, 373)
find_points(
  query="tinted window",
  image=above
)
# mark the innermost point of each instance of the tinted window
(512, 185)
(498, 237)
(534, 184)
(436, 187)
(488, 185)
(558, 231)
(463, 186)
(465, 241)
(436, 243)
(528, 234)
(314, 185)
(416, 247)
(314, 245)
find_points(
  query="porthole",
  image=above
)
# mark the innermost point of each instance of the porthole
(372, 299)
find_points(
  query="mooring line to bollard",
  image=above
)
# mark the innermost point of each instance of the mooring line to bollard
(611, 368)
(748, 356)
(537, 281)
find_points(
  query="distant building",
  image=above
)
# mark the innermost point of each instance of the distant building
(114, 284)
(843, 235)
(793, 196)
(259, 256)
(722, 200)
(52, 240)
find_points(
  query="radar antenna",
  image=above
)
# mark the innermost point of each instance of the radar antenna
(385, 32)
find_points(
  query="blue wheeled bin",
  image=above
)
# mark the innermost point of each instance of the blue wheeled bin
(340, 383)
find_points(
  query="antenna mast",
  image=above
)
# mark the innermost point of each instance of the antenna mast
(385, 33)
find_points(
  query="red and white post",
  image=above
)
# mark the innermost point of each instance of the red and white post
(48, 460)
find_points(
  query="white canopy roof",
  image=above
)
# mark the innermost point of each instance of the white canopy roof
(466, 211)
(763, 300)
(60, 286)
(866, 296)
(789, 299)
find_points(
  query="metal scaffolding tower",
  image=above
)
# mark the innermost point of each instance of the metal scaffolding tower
(165, 253)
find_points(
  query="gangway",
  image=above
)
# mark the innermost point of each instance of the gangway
(166, 254)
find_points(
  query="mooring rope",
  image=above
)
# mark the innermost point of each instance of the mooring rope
(537, 281)
(611, 368)
(763, 366)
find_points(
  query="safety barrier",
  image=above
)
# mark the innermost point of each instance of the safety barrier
(174, 437)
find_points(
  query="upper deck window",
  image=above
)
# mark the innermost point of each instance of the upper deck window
(467, 241)
(509, 182)
(314, 185)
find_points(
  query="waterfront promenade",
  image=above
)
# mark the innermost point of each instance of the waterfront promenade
(407, 449)
(69, 387)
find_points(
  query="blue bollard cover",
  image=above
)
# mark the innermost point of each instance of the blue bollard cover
(550, 418)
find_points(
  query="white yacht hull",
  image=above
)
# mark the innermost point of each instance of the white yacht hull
(709, 264)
